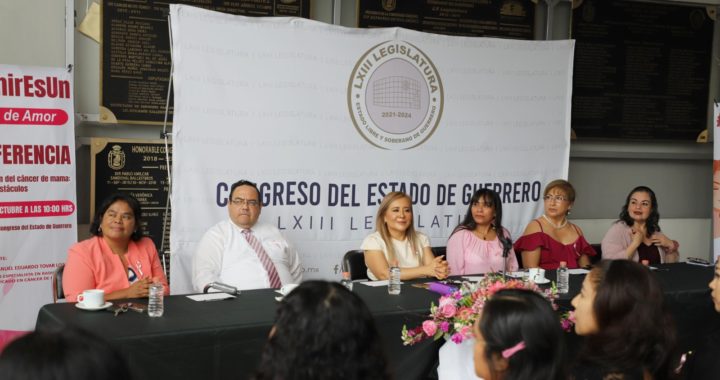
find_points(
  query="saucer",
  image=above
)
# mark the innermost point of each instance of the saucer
(80, 305)
(542, 281)
(286, 289)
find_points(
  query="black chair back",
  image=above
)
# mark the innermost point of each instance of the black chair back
(439, 251)
(57, 288)
(598, 249)
(354, 262)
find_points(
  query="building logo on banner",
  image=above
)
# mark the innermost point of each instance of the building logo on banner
(389, 5)
(395, 96)
(116, 158)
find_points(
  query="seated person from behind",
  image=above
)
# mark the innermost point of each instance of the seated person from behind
(628, 332)
(703, 363)
(117, 259)
(323, 331)
(65, 354)
(518, 336)
(395, 241)
(243, 253)
(550, 239)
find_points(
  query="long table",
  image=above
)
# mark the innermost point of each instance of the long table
(223, 339)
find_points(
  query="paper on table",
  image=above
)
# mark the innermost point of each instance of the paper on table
(473, 278)
(518, 274)
(700, 264)
(210, 297)
(376, 283)
(578, 271)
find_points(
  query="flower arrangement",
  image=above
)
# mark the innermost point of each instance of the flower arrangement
(456, 312)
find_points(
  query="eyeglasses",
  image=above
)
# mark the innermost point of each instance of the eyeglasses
(643, 204)
(242, 202)
(556, 198)
(124, 217)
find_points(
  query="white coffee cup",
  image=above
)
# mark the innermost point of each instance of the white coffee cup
(536, 274)
(287, 288)
(92, 298)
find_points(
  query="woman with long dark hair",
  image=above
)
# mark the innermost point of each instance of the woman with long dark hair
(518, 337)
(477, 244)
(636, 234)
(323, 331)
(628, 332)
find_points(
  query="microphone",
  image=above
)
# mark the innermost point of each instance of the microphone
(507, 246)
(225, 288)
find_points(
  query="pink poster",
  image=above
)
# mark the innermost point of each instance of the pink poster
(38, 219)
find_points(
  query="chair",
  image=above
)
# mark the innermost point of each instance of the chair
(595, 259)
(57, 288)
(518, 256)
(354, 262)
(439, 251)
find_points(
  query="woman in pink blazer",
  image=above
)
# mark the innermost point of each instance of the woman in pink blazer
(117, 259)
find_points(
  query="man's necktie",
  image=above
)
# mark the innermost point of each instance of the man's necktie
(264, 258)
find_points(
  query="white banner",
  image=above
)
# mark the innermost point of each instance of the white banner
(327, 119)
(38, 221)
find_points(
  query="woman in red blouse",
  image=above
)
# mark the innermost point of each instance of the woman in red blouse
(551, 238)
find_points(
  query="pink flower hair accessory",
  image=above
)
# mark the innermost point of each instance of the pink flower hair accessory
(508, 352)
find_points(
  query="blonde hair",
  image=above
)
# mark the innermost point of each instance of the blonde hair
(381, 227)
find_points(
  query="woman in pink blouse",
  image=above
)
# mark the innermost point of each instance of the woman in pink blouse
(117, 259)
(476, 245)
(636, 234)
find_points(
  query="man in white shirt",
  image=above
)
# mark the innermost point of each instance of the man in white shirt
(242, 253)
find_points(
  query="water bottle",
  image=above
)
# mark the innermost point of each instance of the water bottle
(394, 281)
(346, 281)
(155, 303)
(563, 278)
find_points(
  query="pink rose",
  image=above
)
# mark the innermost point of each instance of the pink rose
(465, 313)
(465, 331)
(571, 316)
(446, 301)
(429, 327)
(447, 310)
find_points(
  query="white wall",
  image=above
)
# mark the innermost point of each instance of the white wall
(32, 32)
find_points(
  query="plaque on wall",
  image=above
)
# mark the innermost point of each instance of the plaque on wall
(138, 168)
(135, 52)
(489, 18)
(641, 70)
